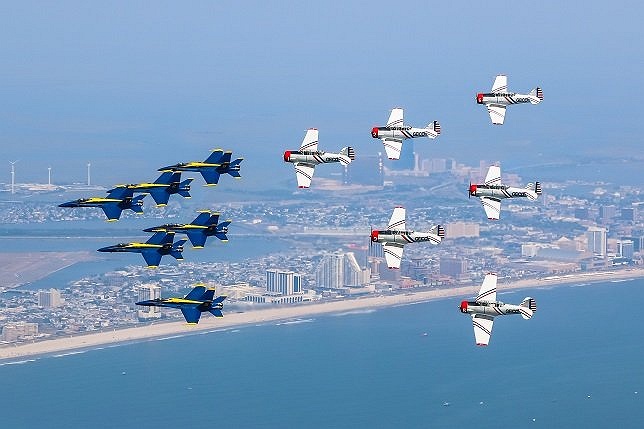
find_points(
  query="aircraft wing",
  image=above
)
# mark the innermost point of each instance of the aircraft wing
(112, 211)
(392, 147)
(393, 254)
(197, 239)
(493, 176)
(492, 207)
(497, 113)
(482, 328)
(395, 118)
(211, 176)
(152, 257)
(397, 221)
(160, 196)
(488, 289)
(500, 84)
(310, 142)
(191, 314)
(304, 173)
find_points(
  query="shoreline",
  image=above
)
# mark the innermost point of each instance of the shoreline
(81, 342)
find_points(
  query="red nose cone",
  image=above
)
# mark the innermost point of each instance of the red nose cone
(464, 307)
(472, 189)
(374, 236)
(479, 98)
(374, 132)
(287, 156)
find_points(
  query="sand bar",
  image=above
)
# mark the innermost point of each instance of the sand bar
(92, 340)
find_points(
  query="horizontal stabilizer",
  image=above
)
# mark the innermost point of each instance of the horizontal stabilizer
(216, 312)
(210, 176)
(219, 299)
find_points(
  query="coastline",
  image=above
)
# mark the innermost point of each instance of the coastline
(231, 320)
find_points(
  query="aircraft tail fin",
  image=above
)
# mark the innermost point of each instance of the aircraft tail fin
(184, 188)
(168, 177)
(177, 248)
(215, 157)
(137, 203)
(537, 188)
(538, 93)
(220, 234)
(233, 168)
(433, 129)
(438, 230)
(528, 307)
(348, 152)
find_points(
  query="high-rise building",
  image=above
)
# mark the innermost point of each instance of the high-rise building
(596, 240)
(627, 213)
(607, 213)
(49, 298)
(453, 267)
(283, 282)
(339, 270)
(149, 291)
(625, 249)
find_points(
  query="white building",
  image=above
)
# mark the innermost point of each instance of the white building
(149, 291)
(339, 270)
(596, 241)
(49, 298)
(283, 282)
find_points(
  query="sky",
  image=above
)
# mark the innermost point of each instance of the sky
(132, 86)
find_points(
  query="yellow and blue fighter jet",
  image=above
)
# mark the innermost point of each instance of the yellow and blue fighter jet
(192, 305)
(218, 163)
(117, 200)
(205, 225)
(152, 250)
(167, 183)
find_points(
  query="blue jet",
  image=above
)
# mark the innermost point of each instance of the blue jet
(218, 163)
(205, 225)
(117, 200)
(152, 250)
(167, 183)
(192, 305)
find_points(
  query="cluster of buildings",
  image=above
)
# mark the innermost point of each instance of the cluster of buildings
(573, 227)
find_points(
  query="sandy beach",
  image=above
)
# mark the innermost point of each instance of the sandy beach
(264, 315)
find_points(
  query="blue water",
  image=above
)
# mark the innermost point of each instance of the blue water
(577, 363)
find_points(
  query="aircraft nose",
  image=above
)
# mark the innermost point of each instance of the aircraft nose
(374, 132)
(287, 156)
(69, 204)
(479, 98)
(463, 307)
(472, 189)
(374, 236)
(105, 249)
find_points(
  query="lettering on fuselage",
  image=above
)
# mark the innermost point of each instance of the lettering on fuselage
(519, 194)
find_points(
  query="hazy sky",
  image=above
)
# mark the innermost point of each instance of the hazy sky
(133, 86)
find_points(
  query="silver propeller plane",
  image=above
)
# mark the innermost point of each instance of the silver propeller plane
(396, 236)
(499, 98)
(485, 308)
(492, 192)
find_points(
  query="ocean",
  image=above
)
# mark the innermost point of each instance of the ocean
(577, 363)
